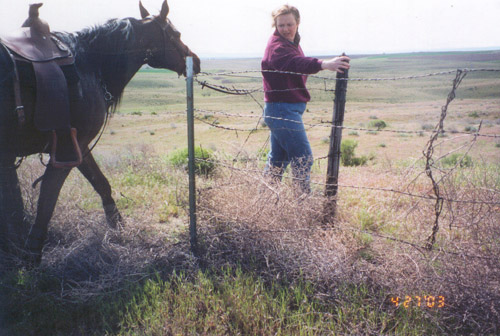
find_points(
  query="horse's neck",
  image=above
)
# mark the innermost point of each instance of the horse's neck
(116, 75)
(113, 54)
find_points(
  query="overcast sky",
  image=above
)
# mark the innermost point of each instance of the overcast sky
(328, 27)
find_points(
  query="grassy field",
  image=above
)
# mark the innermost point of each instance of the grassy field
(154, 104)
(269, 264)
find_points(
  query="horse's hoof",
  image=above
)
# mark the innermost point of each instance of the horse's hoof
(113, 217)
(32, 252)
(31, 258)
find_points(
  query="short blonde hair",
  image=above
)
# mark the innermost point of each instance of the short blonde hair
(284, 10)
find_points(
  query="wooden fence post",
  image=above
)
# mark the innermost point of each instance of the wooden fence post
(332, 175)
(191, 156)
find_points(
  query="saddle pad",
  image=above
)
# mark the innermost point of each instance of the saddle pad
(52, 102)
(36, 47)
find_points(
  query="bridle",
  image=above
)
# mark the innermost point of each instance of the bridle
(180, 48)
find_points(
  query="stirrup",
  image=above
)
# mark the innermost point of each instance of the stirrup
(69, 164)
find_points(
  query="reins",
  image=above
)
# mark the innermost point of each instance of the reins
(108, 97)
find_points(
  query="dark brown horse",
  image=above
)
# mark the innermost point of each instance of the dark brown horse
(106, 58)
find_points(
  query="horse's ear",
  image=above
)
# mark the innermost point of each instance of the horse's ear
(144, 11)
(164, 10)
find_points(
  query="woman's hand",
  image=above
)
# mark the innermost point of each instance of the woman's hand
(336, 64)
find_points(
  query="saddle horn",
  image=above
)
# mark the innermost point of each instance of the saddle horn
(34, 21)
(33, 12)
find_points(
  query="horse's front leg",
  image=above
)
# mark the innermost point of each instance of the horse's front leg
(53, 179)
(91, 171)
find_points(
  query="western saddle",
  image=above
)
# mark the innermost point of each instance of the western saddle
(35, 44)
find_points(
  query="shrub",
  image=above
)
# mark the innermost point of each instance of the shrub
(348, 157)
(427, 127)
(470, 129)
(378, 124)
(203, 165)
(263, 153)
(457, 158)
(367, 220)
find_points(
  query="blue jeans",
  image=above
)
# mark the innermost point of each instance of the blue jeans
(289, 143)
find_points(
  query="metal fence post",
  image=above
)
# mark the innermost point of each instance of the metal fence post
(332, 176)
(191, 156)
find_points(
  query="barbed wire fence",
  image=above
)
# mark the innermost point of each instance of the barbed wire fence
(436, 194)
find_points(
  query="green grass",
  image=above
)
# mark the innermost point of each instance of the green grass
(457, 159)
(227, 302)
(202, 166)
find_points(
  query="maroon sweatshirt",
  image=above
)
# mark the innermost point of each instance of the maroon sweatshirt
(284, 55)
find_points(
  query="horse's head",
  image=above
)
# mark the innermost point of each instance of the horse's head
(162, 42)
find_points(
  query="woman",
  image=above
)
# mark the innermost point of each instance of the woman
(286, 96)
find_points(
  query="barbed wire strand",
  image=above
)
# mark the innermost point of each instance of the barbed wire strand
(447, 72)
(243, 92)
(427, 197)
(327, 124)
(322, 123)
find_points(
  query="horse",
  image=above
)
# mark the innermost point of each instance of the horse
(106, 57)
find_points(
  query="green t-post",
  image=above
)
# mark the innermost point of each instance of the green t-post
(191, 163)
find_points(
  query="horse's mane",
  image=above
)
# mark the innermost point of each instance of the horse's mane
(110, 35)
(105, 47)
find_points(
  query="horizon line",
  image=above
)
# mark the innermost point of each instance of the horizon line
(355, 53)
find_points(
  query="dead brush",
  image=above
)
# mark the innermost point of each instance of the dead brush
(247, 220)
(262, 225)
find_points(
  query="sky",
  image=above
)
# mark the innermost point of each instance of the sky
(236, 28)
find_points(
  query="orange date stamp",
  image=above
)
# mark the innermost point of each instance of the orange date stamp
(425, 301)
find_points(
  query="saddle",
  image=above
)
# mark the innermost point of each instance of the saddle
(34, 43)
